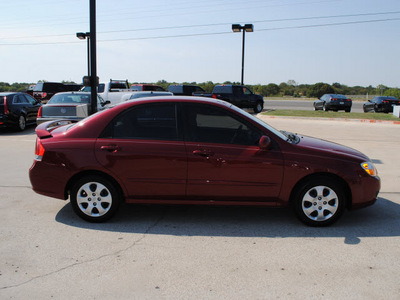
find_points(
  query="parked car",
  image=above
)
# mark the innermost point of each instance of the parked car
(68, 106)
(238, 95)
(137, 95)
(146, 87)
(18, 110)
(112, 90)
(381, 104)
(184, 89)
(194, 150)
(43, 91)
(333, 102)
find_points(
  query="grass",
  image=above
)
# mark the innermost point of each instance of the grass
(331, 114)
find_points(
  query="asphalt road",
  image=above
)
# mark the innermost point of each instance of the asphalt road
(303, 105)
(166, 252)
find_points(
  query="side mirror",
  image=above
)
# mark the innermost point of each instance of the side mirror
(264, 143)
(105, 103)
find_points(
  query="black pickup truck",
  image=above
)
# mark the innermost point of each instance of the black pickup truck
(238, 95)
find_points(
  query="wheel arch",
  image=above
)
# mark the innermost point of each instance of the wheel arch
(327, 175)
(85, 173)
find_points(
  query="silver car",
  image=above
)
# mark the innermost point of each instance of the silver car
(68, 106)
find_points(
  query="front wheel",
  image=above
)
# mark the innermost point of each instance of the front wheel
(259, 107)
(94, 198)
(320, 202)
(325, 108)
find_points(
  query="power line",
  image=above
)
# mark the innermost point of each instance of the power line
(215, 24)
(209, 34)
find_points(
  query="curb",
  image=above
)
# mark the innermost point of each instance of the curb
(338, 119)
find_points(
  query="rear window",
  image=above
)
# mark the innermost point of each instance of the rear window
(69, 98)
(222, 89)
(339, 96)
(175, 89)
(117, 85)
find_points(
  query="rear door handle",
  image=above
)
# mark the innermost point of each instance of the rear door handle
(110, 148)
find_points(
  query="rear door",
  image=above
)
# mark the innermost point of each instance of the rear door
(144, 149)
(32, 107)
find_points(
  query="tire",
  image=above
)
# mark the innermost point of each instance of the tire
(320, 202)
(259, 107)
(347, 110)
(21, 123)
(95, 199)
(325, 108)
(315, 108)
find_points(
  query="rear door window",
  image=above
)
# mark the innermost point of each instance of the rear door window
(148, 121)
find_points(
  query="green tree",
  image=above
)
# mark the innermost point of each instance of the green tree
(320, 88)
(393, 93)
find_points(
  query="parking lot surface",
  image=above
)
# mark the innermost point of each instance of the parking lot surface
(192, 252)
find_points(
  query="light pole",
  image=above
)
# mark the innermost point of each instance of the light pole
(92, 64)
(245, 28)
(83, 36)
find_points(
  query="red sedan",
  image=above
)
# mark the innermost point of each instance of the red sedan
(188, 150)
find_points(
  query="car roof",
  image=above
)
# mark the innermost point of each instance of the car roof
(189, 99)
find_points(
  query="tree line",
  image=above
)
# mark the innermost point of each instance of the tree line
(290, 88)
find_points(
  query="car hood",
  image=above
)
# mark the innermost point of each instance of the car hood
(321, 147)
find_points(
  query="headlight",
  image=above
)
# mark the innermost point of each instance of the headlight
(369, 168)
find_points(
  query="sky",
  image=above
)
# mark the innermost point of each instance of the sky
(352, 42)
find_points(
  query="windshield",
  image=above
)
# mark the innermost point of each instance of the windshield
(262, 123)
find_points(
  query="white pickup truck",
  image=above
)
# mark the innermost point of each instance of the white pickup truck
(112, 91)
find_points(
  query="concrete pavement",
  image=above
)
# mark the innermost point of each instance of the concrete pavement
(166, 252)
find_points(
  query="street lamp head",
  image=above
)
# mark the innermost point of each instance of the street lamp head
(249, 27)
(236, 28)
(82, 35)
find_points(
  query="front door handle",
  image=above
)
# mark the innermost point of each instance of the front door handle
(110, 148)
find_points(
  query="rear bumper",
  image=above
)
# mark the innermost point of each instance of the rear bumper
(6, 121)
(339, 105)
(49, 179)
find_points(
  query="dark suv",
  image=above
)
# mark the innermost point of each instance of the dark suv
(18, 110)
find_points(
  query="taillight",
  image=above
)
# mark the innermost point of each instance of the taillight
(44, 95)
(384, 101)
(5, 105)
(39, 114)
(333, 99)
(39, 150)
(348, 99)
(214, 96)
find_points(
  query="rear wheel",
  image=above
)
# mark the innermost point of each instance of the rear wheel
(21, 123)
(320, 202)
(259, 107)
(94, 198)
(347, 110)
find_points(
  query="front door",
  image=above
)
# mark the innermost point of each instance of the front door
(224, 160)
